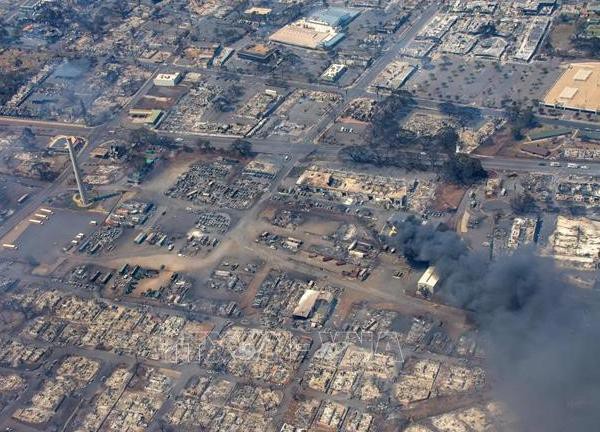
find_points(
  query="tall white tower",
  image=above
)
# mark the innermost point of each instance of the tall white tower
(80, 186)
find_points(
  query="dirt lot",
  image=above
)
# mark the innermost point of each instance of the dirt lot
(560, 39)
(18, 60)
(448, 196)
(501, 140)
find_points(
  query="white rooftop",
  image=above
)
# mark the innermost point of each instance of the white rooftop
(568, 93)
(582, 75)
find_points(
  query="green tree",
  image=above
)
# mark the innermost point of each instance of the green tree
(463, 169)
(522, 203)
(4, 35)
(241, 147)
(520, 118)
(445, 140)
(204, 145)
(27, 138)
(385, 124)
(464, 115)
(9, 84)
(143, 136)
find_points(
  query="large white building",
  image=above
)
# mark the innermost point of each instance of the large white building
(320, 30)
(428, 282)
(333, 72)
(167, 79)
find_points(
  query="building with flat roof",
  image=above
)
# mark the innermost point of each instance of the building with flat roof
(304, 35)
(578, 88)
(532, 39)
(257, 14)
(30, 4)
(428, 282)
(144, 116)
(576, 242)
(437, 27)
(306, 303)
(333, 17)
(255, 10)
(392, 77)
(203, 52)
(346, 184)
(492, 47)
(320, 30)
(257, 52)
(333, 72)
(535, 7)
(167, 79)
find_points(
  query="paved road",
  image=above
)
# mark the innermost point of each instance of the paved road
(15, 121)
(575, 124)
(534, 166)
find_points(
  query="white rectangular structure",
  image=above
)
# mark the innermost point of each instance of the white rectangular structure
(167, 79)
(428, 281)
(582, 75)
(333, 72)
(568, 93)
(306, 303)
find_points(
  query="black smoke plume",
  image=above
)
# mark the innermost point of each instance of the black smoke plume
(542, 340)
